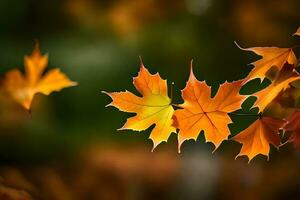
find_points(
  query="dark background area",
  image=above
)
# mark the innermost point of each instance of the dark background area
(69, 148)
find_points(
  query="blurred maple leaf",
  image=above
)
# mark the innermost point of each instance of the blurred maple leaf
(253, 16)
(124, 17)
(293, 126)
(8, 193)
(153, 108)
(22, 88)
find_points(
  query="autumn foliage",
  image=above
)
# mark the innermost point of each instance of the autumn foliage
(22, 88)
(200, 112)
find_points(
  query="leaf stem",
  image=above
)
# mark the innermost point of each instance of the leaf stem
(176, 105)
(171, 95)
(295, 47)
(245, 114)
(286, 142)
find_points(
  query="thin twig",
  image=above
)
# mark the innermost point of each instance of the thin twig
(295, 47)
(244, 114)
(176, 105)
(172, 91)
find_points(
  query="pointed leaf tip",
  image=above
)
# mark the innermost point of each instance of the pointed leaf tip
(104, 92)
(297, 32)
(192, 76)
(235, 42)
(36, 49)
(37, 44)
(141, 62)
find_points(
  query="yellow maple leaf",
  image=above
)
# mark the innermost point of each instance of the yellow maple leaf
(286, 76)
(22, 88)
(154, 107)
(256, 139)
(201, 112)
(271, 57)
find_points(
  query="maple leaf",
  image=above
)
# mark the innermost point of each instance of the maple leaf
(293, 125)
(154, 107)
(271, 57)
(22, 88)
(9, 193)
(297, 32)
(201, 112)
(286, 76)
(256, 139)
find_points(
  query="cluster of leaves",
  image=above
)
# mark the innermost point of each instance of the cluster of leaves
(201, 112)
(22, 88)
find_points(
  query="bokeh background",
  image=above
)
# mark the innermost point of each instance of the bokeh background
(68, 147)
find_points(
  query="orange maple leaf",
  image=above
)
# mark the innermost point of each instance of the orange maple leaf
(154, 107)
(22, 88)
(286, 76)
(201, 112)
(271, 57)
(256, 139)
(297, 32)
(293, 125)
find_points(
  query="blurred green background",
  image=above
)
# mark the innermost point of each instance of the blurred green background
(51, 153)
